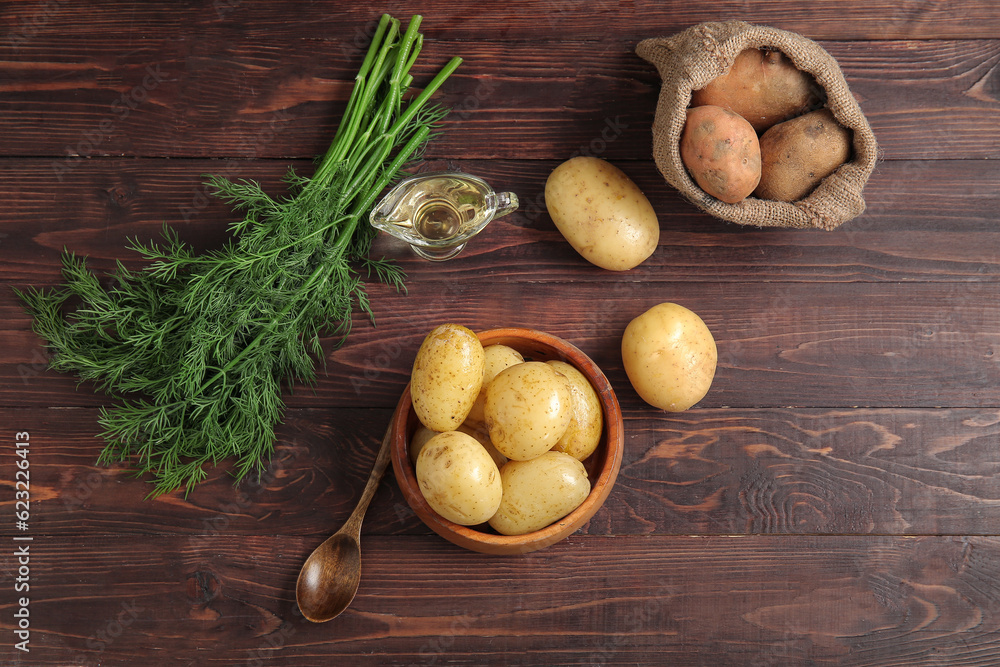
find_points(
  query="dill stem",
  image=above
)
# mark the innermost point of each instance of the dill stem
(344, 135)
(360, 207)
(369, 84)
(373, 48)
(208, 339)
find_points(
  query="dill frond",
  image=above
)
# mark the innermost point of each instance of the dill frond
(199, 348)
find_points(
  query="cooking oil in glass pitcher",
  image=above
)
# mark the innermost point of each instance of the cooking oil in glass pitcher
(438, 213)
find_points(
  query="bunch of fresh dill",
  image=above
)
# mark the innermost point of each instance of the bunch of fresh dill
(196, 347)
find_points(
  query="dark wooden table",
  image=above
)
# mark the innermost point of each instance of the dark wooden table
(833, 500)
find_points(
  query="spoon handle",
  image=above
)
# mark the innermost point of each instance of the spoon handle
(353, 523)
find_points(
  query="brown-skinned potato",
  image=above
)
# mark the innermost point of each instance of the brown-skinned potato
(799, 153)
(721, 152)
(762, 86)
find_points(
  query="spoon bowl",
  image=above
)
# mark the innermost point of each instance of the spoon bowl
(336, 560)
(330, 577)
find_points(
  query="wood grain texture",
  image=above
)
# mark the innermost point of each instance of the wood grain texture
(680, 600)
(792, 344)
(927, 221)
(832, 501)
(898, 471)
(519, 20)
(269, 97)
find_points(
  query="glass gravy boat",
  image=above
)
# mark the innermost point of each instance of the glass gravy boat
(437, 213)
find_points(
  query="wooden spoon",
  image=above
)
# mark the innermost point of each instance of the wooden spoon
(330, 576)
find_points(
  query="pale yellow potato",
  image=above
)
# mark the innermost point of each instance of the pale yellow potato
(602, 213)
(670, 357)
(422, 435)
(447, 376)
(497, 358)
(458, 479)
(539, 492)
(418, 440)
(587, 424)
(528, 408)
(483, 438)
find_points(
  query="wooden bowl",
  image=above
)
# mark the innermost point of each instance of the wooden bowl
(602, 466)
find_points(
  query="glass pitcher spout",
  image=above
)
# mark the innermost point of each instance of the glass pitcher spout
(438, 213)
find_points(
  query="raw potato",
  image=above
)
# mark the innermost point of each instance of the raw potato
(721, 152)
(447, 376)
(602, 213)
(423, 435)
(799, 153)
(669, 356)
(585, 428)
(528, 409)
(483, 438)
(539, 492)
(418, 440)
(458, 479)
(498, 357)
(762, 86)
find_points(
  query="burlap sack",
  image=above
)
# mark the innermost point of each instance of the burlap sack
(688, 60)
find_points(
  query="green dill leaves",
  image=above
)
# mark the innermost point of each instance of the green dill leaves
(197, 348)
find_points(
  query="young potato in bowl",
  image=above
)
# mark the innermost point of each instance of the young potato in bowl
(447, 376)
(528, 409)
(587, 424)
(538, 492)
(458, 478)
(419, 438)
(497, 358)
(423, 435)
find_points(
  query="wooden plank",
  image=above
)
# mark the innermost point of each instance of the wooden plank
(681, 600)
(522, 20)
(927, 220)
(271, 97)
(708, 471)
(832, 501)
(785, 344)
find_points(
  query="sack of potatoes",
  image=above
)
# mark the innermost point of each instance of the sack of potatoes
(757, 126)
